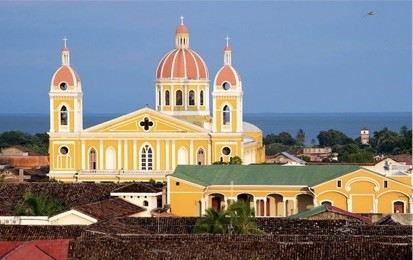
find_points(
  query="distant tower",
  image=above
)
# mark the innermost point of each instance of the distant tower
(365, 136)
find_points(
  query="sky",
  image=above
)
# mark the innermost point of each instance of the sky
(292, 56)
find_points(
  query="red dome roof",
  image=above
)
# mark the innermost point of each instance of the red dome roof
(66, 74)
(227, 74)
(227, 48)
(182, 63)
(182, 29)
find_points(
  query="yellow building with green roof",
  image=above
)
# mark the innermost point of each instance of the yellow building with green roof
(280, 191)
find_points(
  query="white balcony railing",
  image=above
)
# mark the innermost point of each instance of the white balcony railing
(137, 173)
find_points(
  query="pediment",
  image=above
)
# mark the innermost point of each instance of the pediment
(146, 120)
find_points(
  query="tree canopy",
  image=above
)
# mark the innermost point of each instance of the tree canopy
(38, 143)
(39, 205)
(237, 219)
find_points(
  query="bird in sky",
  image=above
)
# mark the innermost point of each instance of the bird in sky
(371, 13)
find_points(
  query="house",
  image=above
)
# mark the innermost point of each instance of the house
(91, 213)
(318, 154)
(400, 164)
(397, 219)
(277, 191)
(327, 211)
(284, 158)
(149, 197)
(17, 150)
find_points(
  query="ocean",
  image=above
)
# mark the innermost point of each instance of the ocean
(311, 123)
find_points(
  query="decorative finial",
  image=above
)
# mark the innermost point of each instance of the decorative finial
(227, 38)
(182, 20)
(65, 40)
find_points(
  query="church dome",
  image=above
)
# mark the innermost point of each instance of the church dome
(227, 74)
(65, 76)
(182, 62)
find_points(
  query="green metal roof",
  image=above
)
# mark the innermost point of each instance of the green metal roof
(261, 174)
(310, 212)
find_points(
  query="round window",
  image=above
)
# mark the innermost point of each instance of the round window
(63, 86)
(226, 85)
(226, 151)
(64, 150)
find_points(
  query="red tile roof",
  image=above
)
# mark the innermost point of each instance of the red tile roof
(38, 249)
(402, 158)
(108, 209)
(138, 188)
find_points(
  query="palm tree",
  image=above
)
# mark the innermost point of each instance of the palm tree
(242, 218)
(214, 222)
(38, 205)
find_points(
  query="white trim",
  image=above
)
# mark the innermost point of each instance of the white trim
(357, 179)
(74, 212)
(342, 193)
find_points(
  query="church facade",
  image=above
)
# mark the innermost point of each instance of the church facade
(150, 143)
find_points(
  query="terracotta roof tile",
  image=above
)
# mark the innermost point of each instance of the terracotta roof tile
(138, 188)
(111, 208)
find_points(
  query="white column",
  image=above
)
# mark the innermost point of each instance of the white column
(84, 158)
(185, 96)
(375, 205)
(295, 208)
(167, 166)
(75, 115)
(52, 115)
(265, 207)
(209, 153)
(125, 154)
(158, 154)
(135, 156)
(349, 205)
(173, 155)
(119, 154)
(203, 206)
(191, 152)
(255, 206)
(197, 99)
(172, 98)
(101, 152)
(284, 207)
(411, 205)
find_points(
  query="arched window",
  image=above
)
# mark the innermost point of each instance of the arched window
(146, 158)
(110, 159)
(226, 115)
(167, 98)
(92, 159)
(398, 207)
(191, 98)
(178, 98)
(201, 157)
(159, 98)
(182, 156)
(145, 203)
(201, 98)
(63, 115)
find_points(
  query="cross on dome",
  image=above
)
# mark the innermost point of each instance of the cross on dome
(227, 38)
(65, 40)
(182, 20)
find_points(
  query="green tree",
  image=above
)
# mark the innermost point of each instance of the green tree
(242, 218)
(333, 137)
(236, 160)
(300, 137)
(237, 219)
(275, 148)
(38, 205)
(352, 153)
(386, 141)
(214, 222)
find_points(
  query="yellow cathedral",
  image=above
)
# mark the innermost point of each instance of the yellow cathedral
(151, 143)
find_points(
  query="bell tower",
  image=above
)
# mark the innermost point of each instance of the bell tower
(227, 97)
(66, 108)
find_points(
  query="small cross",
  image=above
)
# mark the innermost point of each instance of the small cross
(227, 38)
(65, 40)
(146, 124)
(182, 20)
